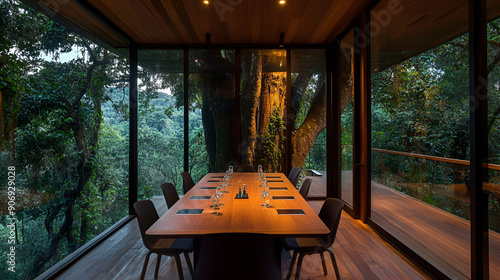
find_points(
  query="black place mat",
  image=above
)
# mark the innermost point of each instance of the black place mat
(283, 197)
(278, 188)
(199, 197)
(276, 177)
(275, 181)
(189, 212)
(290, 212)
(213, 181)
(217, 177)
(208, 188)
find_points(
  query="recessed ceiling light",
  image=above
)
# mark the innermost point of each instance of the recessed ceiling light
(206, 2)
(282, 2)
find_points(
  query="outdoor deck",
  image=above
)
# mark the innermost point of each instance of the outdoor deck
(360, 253)
(422, 226)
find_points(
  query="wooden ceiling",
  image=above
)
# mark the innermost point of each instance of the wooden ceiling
(186, 22)
(410, 28)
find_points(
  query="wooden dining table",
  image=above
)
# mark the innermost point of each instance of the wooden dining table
(288, 216)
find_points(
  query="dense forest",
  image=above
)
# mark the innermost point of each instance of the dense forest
(64, 127)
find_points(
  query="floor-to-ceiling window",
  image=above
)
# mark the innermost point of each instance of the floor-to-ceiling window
(420, 135)
(308, 116)
(346, 69)
(492, 182)
(211, 101)
(262, 106)
(64, 146)
(160, 120)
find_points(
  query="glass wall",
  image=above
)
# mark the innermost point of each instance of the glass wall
(64, 146)
(160, 120)
(420, 135)
(308, 116)
(492, 185)
(211, 100)
(347, 105)
(262, 100)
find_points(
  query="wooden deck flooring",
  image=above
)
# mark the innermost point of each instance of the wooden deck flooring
(441, 238)
(360, 253)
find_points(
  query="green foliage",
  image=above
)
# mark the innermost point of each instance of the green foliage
(273, 143)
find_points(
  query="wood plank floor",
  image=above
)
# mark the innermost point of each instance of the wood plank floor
(360, 253)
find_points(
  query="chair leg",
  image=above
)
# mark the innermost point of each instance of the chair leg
(145, 266)
(190, 266)
(179, 266)
(334, 261)
(292, 263)
(324, 263)
(299, 265)
(158, 260)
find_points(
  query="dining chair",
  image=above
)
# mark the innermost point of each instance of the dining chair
(242, 256)
(293, 177)
(244, 168)
(330, 215)
(170, 194)
(187, 182)
(304, 189)
(146, 217)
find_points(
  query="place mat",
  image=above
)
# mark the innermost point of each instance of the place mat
(213, 181)
(290, 212)
(200, 197)
(278, 188)
(275, 181)
(208, 188)
(189, 212)
(217, 177)
(276, 177)
(283, 197)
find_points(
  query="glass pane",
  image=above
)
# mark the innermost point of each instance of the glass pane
(161, 120)
(262, 100)
(420, 132)
(492, 185)
(308, 117)
(347, 104)
(64, 141)
(211, 100)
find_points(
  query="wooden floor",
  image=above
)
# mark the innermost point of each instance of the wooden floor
(360, 253)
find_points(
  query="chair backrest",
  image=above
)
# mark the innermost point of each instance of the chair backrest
(330, 215)
(293, 177)
(170, 194)
(187, 182)
(304, 190)
(244, 168)
(249, 255)
(146, 217)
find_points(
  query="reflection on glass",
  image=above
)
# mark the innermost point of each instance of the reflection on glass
(346, 122)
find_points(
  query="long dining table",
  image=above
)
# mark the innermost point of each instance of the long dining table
(289, 215)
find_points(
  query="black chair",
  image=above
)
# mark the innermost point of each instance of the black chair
(242, 256)
(170, 194)
(330, 215)
(304, 190)
(187, 182)
(293, 177)
(244, 168)
(146, 217)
